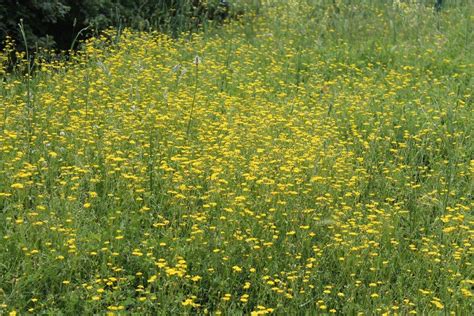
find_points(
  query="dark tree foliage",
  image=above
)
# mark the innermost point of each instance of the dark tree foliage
(55, 23)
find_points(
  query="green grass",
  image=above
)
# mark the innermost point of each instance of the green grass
(319, 159)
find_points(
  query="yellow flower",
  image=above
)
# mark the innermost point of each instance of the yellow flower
(437, 304)
(196, 278)
(466, 292)
(227, 297)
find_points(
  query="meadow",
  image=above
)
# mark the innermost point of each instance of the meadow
(314, 158)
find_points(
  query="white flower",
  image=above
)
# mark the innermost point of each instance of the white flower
(176, 67)
(197, 60)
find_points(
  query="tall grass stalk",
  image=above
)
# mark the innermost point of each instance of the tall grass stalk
(197, 61)
(29, 101)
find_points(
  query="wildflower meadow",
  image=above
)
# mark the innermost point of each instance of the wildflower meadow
(314, 157)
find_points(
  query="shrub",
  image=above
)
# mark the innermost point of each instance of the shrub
(55, 23)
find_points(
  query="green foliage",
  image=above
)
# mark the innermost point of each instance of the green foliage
(55, 23)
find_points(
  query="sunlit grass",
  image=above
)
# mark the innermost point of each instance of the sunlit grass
(316, 158)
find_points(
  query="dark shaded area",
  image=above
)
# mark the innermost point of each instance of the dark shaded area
(56, 23)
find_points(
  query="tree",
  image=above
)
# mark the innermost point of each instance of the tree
(55, 23)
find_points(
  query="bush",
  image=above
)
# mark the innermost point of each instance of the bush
(55, 23)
